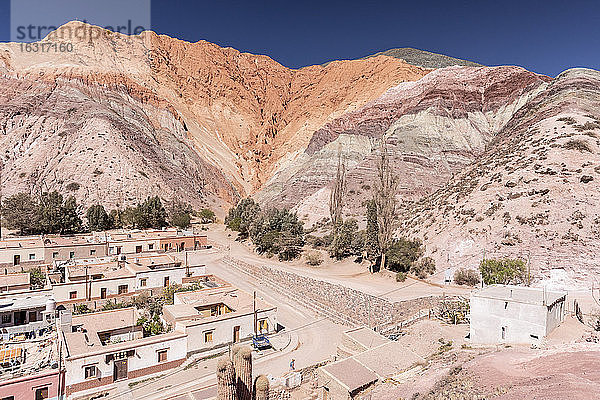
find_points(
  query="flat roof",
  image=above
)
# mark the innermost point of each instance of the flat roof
(350, 373)
(25, 242)
(110, 267)
(521, 294)
(23, 301)
(237, 300)
(388, 359)
(366, 336)
(14, 279)
(87, 339)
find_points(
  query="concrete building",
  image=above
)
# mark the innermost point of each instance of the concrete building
(91, 279)
(27, 312)
(514, 314)
(20, 253)
(14, 282)
(17, 254)
(105, 347)
(215, 317)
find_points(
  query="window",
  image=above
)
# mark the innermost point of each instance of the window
(92, 252)
(55, 254)
(89, 371)
(73, 294)
(143, 282)
(208, 336)
(119, 249)
(166, 282)
(123, 289)
(9, 398)
(503, 332)
(103, 293)
(111, 250)
(263, 325)
(41, 393)
(151, 246)
(138, 248)
(162, 355)
(32, 256)
(6, 318)
(17, 259)
(71, 254)
(33, 316)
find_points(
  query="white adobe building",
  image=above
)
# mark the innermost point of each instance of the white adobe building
(515, 314)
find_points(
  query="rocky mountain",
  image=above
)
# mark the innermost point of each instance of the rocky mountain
(433, 128)
(120, 117)
(533, 193)
(425, 59)
(491, 160)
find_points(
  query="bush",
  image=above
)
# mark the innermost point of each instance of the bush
(423, 267)
(402, 254)
(468, 277)
(313, 258)
(505, 271)
(400, 277)
(207, 216)
(37, 277)
(594, 321)
(81, 309)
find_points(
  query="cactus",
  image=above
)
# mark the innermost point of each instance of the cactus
(225, 379)
(261, 388)
(243, 370)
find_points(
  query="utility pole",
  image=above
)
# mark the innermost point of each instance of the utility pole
(254, 308)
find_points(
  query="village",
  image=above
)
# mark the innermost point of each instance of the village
(151, 314)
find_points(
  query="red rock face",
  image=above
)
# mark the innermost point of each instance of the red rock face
(237, 113)
(434, 127)
(450, 92)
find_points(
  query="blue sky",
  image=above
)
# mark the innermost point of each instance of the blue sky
(543, 36)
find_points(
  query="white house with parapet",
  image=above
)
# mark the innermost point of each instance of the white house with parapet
(515, 314)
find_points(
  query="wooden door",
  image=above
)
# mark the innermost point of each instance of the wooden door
(236, 334)
(120, 371)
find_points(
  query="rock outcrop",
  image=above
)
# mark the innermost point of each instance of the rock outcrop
(532, 194)
(199, 112)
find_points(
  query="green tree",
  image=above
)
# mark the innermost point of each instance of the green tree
(241, 217)
(20, 211)
(403, 253)
(423, 267)
(348, 241)
(70, 221)
(98, 219)
(129, 217)
(116, 218)
(207, 216)
(56, 215)
(505, 271)
(278, 232)
(180, 214)
(151, 214)
(371, 240)
(50, 212)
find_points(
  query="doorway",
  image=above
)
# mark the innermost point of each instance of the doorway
(20, 317)
(16, 259)
(120, 370)
(236, 334)
(103, 293)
